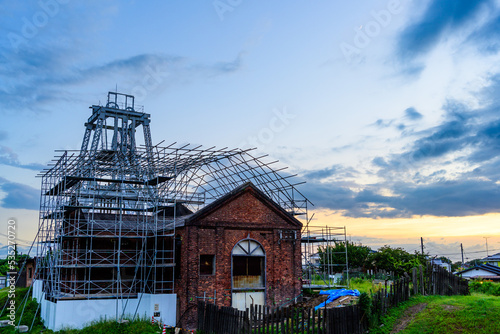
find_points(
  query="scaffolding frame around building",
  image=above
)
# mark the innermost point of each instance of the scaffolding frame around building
(109, 211)
(323, 267)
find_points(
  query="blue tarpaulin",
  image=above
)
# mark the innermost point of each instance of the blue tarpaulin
(334, 294)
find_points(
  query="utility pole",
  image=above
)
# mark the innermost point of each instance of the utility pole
(462, 250)
(487, 246)
(422, 245)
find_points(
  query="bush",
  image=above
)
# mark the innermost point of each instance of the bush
(496, 290)
(486, 287)
(365, 303)
(358, 280)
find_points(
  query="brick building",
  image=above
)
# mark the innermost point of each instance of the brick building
(130, 230)
(240, 249)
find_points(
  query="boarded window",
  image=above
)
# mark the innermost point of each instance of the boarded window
(207, 264)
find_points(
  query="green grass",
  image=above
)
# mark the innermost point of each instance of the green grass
(3, 293)
(477, 313)
(29, 307)
(112, 327)
(363, 285)
(105, 327)
(139, 326)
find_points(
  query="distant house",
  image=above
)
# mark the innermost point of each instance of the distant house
(29, 271)
(483, 271)
(493, 260)
(315, 259)
(442, 264)
(25, 277)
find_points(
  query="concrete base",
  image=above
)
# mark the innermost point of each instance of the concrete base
(22, 329)
(80, 313)
(5, 323)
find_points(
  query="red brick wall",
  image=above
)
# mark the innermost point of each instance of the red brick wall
(217, 234)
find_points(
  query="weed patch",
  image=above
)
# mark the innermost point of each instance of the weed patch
(486, 287)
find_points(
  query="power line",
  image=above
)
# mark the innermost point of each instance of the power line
(493, 250)
(26, 241)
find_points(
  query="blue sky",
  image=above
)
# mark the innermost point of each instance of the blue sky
(388, 109)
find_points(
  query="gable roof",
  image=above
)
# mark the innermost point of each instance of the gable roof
(486, 267)
(238, 191)
(494, 257)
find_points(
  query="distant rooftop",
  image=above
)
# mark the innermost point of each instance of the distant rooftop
(495, 257)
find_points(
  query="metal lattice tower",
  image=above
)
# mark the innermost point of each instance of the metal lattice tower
(108, 213)
(113, 128)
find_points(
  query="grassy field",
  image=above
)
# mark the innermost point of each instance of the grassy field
(478, 313)
(361, 285)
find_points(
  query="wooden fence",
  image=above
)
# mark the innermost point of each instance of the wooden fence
(350, 319)
(264, 320)
(222, 319)
(429, 280)
(441, 282)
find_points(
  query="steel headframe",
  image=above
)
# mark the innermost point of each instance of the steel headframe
(120, 191)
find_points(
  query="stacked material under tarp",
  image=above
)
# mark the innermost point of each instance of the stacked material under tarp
(335, 294)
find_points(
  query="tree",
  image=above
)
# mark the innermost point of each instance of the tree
(474, 262)
(445, 259)
(19, 260)
(457, 266)
(396, 260)
(357, 255)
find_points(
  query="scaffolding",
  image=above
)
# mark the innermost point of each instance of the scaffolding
(109, 211)
(324, 265)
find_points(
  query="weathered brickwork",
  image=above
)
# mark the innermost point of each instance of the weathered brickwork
(246, 214)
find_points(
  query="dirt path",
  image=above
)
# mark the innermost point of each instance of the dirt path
(408, 316)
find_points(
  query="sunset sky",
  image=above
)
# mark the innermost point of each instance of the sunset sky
(389, 110)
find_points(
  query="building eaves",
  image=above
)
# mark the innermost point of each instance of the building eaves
(486, 267)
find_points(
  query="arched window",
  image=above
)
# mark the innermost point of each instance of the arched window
(248, 247)
(248, 270)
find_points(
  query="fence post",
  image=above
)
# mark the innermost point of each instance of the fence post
(313, 321)
(200, 316)
(248, 329)
(415, 281)
(251, 315)
(421, 283)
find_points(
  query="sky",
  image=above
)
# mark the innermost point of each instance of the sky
(389, 110)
